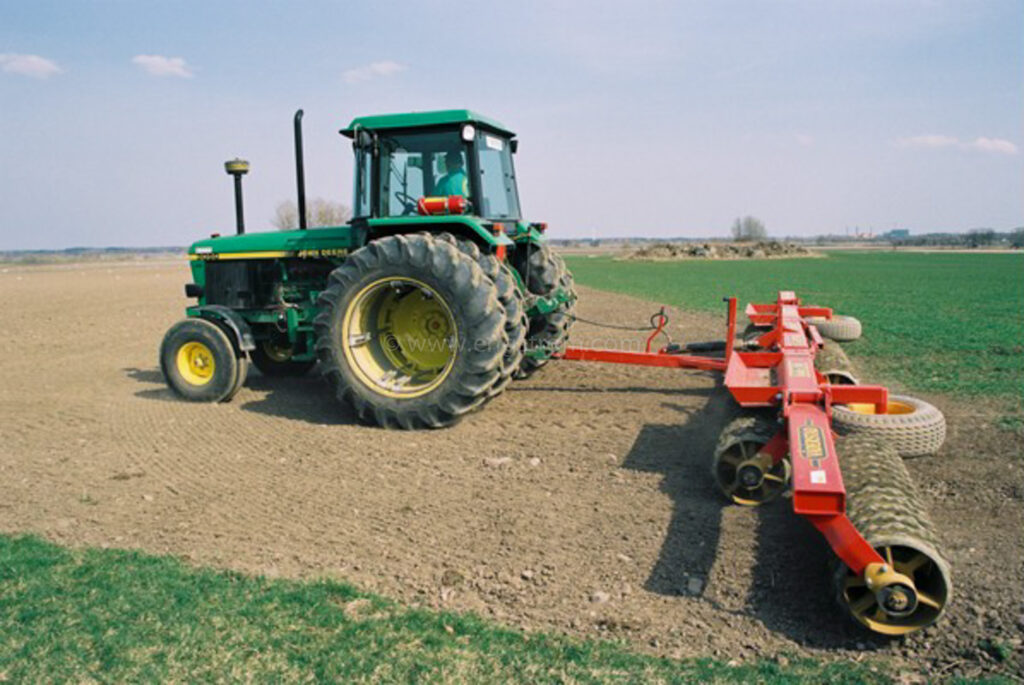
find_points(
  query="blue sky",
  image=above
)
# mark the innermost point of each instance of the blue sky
(653, 119)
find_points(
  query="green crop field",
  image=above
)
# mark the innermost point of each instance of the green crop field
(949, 323)
(117, 616)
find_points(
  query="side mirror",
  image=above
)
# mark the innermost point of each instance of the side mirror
(513, 145)
(363, 140)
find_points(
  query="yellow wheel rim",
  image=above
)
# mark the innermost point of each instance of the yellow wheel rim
(399, 337)
(195, 363)
(891, 408)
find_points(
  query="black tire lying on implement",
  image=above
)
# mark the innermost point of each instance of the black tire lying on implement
(838, 328)
(511, 300)
(833, 363)
(740, 473)
(411, 333)
(200, 363)
(884, 505)
(275, 359)
(545, 272)
(912, 427)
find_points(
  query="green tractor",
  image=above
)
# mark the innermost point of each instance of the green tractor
(420, 309)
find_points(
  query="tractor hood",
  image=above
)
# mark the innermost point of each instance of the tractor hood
(273, 244)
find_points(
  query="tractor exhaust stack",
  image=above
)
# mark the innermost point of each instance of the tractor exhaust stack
(238, 168)
(300, 175)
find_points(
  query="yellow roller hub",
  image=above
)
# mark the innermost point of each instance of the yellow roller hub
(195, 363)
(400, 337)
(901, 596)
(891, 408)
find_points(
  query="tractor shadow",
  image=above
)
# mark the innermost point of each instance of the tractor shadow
(149, 377)
(308, 398)
(791, 592)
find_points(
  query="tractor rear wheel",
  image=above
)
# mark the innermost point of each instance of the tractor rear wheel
(545, 274)
(274, 358)
(511, 300)
(199, 362)
(411, 333)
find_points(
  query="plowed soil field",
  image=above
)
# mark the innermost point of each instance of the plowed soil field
(579, 501)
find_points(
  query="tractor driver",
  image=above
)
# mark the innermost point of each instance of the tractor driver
(455, 181)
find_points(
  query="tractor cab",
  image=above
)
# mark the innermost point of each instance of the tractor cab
(427, 163)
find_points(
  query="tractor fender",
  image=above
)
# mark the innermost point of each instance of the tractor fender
(462, 226)
(230, 319)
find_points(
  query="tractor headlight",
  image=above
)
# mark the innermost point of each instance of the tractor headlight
(468, 133)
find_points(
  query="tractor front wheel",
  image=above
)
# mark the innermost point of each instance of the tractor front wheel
(199, 362)
(411, 333)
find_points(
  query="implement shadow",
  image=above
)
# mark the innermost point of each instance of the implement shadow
(682, 453)
(791, 592)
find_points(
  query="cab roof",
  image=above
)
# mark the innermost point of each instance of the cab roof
(421, 119)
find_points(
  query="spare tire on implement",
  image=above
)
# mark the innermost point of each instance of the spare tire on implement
(411, 332)
(839, 328)
(913, 427)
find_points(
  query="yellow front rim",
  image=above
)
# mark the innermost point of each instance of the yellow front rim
(195, 363)
(892, 408)
(400, 337)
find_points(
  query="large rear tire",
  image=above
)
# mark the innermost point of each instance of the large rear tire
(411, 333)
(544, 273)
(511, 300)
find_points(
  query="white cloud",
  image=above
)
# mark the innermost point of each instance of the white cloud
(158, 65)
(982, 144)
(999, 145)
(29, 65)
(371, 71)
(804, 140)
